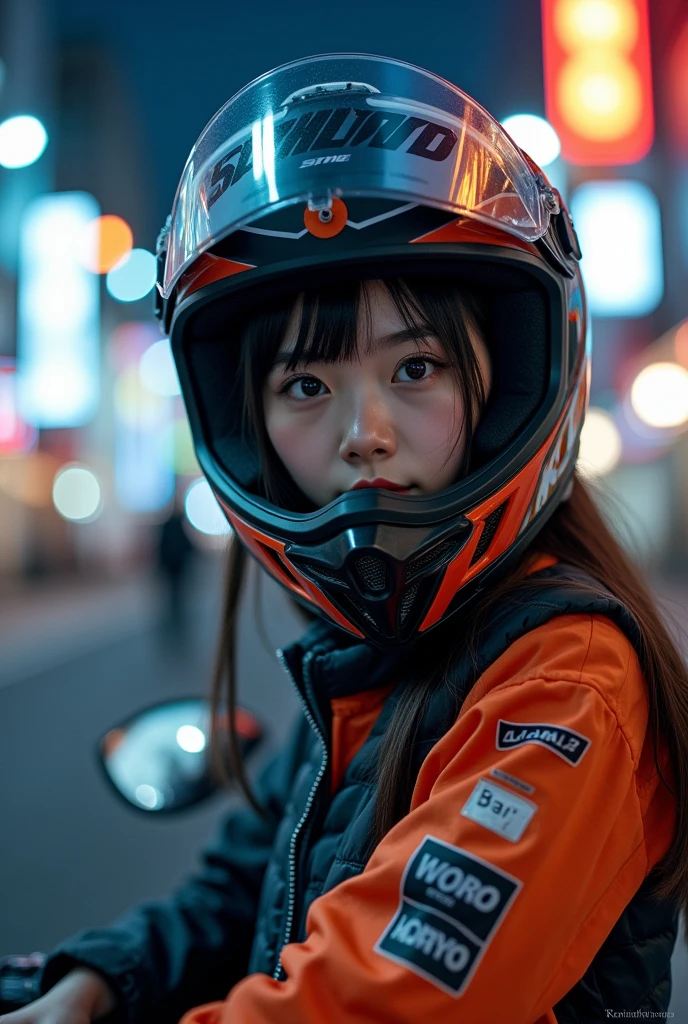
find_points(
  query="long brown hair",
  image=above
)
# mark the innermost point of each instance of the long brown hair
(576, 535)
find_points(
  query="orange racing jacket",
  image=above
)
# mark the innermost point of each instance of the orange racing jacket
(535, 818)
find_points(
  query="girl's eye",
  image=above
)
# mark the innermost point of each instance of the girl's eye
(301, 388)
(417, 368)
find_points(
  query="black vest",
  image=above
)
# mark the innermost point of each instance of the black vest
(323, 840)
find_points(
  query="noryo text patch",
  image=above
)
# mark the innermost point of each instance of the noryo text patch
(451, 904)
(565, 742)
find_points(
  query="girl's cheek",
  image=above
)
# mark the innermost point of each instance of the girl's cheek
(299, 446)
(432, 426)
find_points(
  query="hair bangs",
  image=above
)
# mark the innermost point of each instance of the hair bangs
(328, 324)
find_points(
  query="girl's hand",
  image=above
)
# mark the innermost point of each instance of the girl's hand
(81, 997)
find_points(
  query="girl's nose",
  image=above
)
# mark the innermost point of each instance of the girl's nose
(369, 434)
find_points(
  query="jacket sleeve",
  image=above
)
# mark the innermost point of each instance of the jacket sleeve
(489, 900)
(163, 957)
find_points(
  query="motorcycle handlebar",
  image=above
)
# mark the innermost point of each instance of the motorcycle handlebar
(19, 980)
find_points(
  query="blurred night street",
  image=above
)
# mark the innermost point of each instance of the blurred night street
(98, 657)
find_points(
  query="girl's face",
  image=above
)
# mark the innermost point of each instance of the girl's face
(393, 413)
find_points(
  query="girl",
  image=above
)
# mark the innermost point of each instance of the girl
(376, 309)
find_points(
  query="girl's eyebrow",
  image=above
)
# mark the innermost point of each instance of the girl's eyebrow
(383, 342)
(399, 337)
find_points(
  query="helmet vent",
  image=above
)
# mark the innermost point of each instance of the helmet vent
(489, 530)
(407, 600)
(435, 555)
(365, 613)
(373, 572)
(322, 574)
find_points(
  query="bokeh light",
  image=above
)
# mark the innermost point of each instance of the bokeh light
(149, 797)
(22, 141)
(133, 277)
(618, 224)
(54, 226)
(535, 135)
(57, 389)
(157, 369)
(76, 493)
(659, 395)
(58, 314)
(598, 79)
(203, 511)
(612, 23)
(600, 443)
(191, 738)
(66, 297)
(106, 241)
(601, 96)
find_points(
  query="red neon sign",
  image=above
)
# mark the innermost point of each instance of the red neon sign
(598, 79)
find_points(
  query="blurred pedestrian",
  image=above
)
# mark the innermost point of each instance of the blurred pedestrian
(175, 557)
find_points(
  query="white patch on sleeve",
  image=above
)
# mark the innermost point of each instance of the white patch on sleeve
(499, 810)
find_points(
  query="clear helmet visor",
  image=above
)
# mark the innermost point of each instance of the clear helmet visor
(349, 125)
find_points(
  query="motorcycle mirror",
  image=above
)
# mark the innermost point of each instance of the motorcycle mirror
(157, 760)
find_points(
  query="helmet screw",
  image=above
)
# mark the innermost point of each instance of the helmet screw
(325, 216)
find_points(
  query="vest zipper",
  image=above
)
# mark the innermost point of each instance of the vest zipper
(291, 900)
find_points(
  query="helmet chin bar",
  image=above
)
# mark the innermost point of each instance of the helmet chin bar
(391, 618)
(381, 577)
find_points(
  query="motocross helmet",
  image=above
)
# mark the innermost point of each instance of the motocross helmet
(356, 167)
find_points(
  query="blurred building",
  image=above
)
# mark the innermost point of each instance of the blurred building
(95, 147)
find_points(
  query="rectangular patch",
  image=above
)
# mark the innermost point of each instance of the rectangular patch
(451, 903)
(566, 743)
(525, 787)
(499, 810)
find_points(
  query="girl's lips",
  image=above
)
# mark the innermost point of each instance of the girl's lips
(380, 482)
